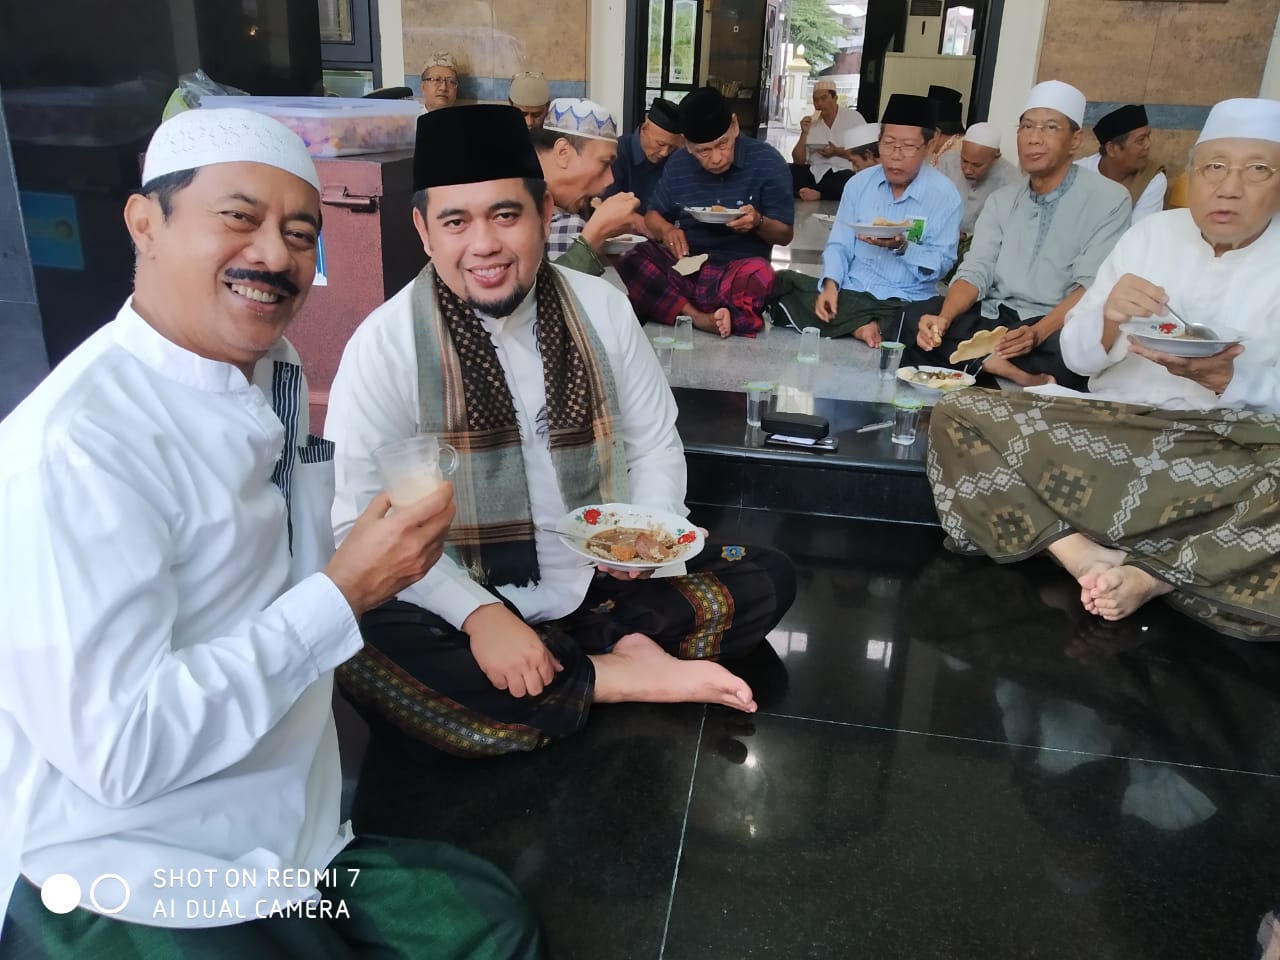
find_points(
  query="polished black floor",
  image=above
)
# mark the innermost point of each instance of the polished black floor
(951, 761)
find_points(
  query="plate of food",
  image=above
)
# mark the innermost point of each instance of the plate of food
(623, 243)
(716, 213)
(630, 537)
(935, 381)
(882, 229)
(1178, 340)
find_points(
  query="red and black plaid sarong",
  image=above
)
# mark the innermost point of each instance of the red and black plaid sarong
(658, 293)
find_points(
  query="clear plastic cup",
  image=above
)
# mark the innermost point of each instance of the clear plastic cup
(412, 468)
(684, 333)
(759, 400)
(906, 420)
(664, 347)
(890, 358)
(810, 340)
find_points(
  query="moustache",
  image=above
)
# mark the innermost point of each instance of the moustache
(279, 281)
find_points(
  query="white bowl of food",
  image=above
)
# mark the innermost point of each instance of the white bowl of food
(934, 382)
(629, 537)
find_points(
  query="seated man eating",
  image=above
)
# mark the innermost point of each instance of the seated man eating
(1036, 247)
(719, 169)
(543, 382)
(577, 146)
(867, 281)
(1171, 492)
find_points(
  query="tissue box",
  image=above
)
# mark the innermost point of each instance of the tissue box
(337, 126)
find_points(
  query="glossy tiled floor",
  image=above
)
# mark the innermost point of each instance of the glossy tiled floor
(951, 761)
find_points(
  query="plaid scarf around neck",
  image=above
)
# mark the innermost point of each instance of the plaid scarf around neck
(464, 398)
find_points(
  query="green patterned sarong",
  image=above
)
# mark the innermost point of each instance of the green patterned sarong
(1192, 497)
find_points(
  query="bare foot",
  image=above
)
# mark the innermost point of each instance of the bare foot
(1079, 555)
(1120, 591)
(638, 670)
(718, 322)
(808, 193)
(1003, 368)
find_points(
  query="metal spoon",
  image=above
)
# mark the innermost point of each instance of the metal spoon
(1198, 330)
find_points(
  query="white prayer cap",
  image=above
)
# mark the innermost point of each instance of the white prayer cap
(1056, 95)
(201, 138)
(582, 118)
(983, 134)
(826, 83)
(1245, 119)
(862, 135)
(529, 90)
(440, 58)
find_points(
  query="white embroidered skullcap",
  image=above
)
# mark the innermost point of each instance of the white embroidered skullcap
(529, 90)
(582, 118)
(862, 135)
(1247, 118)
(983, 134)
(1056, 95)
(441, 58)
(200, 138)
(826, 83)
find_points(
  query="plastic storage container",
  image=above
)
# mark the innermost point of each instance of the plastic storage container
(337, 126)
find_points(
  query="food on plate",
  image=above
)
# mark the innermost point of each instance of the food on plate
(718, 208)
(938, 379)
(627, 544)
(882, 222)
(981, 344)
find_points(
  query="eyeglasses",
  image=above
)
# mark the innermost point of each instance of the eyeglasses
(1215, 172)
(447, 81)
(906, 149)
(1051, 127)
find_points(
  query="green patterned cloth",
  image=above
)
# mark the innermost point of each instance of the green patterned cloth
(410, 899)
(1191, 497)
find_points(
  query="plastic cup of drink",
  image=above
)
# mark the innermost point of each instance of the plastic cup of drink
(412, 468)
(684, 333)
(810, 339)
(906, 420)
(759, 400)
(664, 346)
(890, 358)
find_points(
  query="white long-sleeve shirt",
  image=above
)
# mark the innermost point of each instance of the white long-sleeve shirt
(374, 401)
(1238, 290)
(1151, 199)
(166, 666)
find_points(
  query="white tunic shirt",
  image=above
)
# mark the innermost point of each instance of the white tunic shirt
(374, 401)
(1240, 290)
(847, 120)
(1152, 198)
(166, 670)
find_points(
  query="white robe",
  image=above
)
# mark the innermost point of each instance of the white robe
(166, 671)
(1150, 201)
(374, 401)
(1240, 290)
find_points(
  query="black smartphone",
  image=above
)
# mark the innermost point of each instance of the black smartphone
(824, 444)
(803, 425)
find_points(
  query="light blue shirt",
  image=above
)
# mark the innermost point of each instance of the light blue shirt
(858, 265)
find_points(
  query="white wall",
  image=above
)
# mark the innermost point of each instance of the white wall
(1021, 32)
(391, 39)
(1270, 86)
(607, 55)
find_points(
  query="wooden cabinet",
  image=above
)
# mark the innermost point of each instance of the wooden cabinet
(736, 63)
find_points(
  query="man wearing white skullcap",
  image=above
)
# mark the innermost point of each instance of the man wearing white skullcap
(1197, 518)
(1036, 247)
(179, 608)
(577, 147)
(822, 160)
(439, 81)
(978, 170)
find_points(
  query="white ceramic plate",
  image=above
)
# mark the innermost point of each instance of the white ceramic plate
(623, 243)
(707, 215)
(828, 218)
(956, 381)
(879, 231)
(1147, 332)
(577, 526)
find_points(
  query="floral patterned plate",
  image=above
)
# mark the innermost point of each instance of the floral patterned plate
(578, 527)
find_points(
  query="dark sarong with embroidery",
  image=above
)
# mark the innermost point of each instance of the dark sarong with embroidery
(1193, 498)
